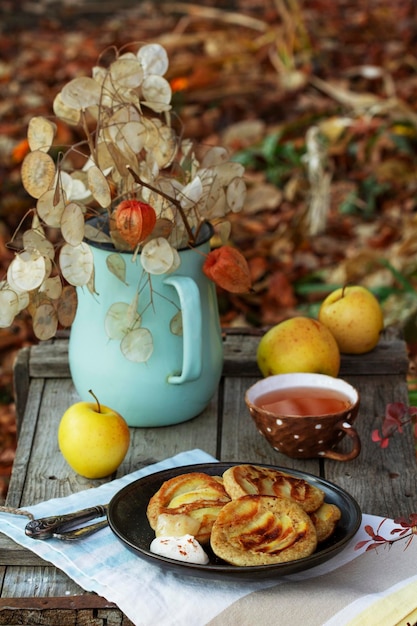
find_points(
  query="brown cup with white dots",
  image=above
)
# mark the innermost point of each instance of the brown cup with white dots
(306, 415)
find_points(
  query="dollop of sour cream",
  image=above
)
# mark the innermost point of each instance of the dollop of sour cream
(185, 548)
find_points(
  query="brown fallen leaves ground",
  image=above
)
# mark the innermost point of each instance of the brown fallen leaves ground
(269, 79)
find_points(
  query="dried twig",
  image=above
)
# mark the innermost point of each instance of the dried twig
(194, 10)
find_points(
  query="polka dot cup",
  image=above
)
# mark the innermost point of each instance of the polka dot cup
(307, 436)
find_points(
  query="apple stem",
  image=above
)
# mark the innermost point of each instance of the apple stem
(96, 399)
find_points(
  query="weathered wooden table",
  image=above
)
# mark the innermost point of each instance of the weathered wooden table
(382, 481)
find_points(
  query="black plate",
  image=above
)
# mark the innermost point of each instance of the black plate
(127, 519)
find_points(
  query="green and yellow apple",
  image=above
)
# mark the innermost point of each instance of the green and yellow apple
(93, 439)
(355, 318)
(298, 344)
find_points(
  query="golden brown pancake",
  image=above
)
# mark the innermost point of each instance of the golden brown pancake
(262, 530)
(325, 520)
(241, 480)
(196, 495)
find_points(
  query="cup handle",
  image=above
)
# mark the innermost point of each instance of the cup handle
(345, 456)
(192, 325)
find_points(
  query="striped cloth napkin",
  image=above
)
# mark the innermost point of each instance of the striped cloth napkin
(151, 596)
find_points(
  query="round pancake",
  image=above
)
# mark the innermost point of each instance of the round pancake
(196, 495)
(241, 480)
(261, 530)
(325, 520)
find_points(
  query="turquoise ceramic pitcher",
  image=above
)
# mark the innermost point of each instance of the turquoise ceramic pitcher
(182, 374)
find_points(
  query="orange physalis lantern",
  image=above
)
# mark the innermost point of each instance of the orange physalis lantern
(228, 268)
(134, 221)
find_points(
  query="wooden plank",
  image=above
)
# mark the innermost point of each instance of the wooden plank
(381, 480)
(50, 360)
(12, 553)
(86, 609)
(166, 441)
(84, 601)
(240, 439)
(24, 445)
(61, 617)
(21, 384)
(46, 473)
(389, 357)
(46, 611)
(27, 581)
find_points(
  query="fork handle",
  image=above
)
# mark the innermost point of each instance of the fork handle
(47, 527)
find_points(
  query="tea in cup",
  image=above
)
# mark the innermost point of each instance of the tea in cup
(305, 415)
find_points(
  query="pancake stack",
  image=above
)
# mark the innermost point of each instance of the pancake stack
(251, 515)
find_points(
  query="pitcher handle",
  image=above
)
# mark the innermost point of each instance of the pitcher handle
(192, 328)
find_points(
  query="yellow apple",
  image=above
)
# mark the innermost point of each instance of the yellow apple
(355, 318)
(93, 439)
(299, 344)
